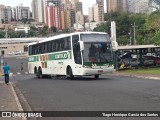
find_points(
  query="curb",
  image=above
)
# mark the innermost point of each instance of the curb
(17, 100)
(135, 76)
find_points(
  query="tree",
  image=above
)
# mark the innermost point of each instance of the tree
(44, 30)
(33, 28)
(66, 30)
(2, 34)
(124, 26)
(153, 27)
(53, 29)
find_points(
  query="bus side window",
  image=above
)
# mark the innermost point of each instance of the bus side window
(43, 48)
(40, 48)
(56, 45)
(33, 50)
(67, 43)
(30, 50)
(53, 46)
(61, 44)
(48, 47)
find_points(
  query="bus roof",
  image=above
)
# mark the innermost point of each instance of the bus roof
(65, 35)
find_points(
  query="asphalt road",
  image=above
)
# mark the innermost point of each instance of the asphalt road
(15, 63)
(110, 93)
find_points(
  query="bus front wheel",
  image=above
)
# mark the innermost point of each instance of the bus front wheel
(96, 76)
(70, 73)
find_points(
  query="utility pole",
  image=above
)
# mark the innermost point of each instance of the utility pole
(6, 30)
(6, 34)
(134, 27)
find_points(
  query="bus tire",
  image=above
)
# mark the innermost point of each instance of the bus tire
(35, 70)
(39, 73)
(70, 73)
(96, 76)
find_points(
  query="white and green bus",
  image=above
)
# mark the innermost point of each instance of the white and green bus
(70, 55)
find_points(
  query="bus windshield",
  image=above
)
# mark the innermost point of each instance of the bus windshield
(97, 48)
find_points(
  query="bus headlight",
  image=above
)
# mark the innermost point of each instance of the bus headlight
(86, 66)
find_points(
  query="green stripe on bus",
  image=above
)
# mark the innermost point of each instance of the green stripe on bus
(52, 56)
(33, 59)
(43, 58)
(45, 64)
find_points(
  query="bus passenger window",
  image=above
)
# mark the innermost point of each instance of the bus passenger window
(67, 43)
(62, 45)
(53, 46)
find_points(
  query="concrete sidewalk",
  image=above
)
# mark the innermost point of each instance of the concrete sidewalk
(9, 100)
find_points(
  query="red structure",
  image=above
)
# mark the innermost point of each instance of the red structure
(53, 17)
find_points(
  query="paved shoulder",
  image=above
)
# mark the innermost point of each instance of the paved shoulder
(144, 76)
(8, 99)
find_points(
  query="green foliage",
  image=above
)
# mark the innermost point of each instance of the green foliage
(53, 29)
(147, 27)
(65, 30)
(43, 32)
(153, 22)
(2, 34)
(33, 28)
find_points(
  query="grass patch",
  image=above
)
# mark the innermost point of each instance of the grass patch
(155, 71)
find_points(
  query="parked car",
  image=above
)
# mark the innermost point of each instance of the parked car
(128, 60)
(149, 61)
(18, 52)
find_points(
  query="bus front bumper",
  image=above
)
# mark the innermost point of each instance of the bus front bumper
(90, 71)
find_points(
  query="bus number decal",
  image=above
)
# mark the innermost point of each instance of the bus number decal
(60, 56)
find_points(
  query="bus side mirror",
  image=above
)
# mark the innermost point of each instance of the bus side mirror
(81, 43)
(114, 45)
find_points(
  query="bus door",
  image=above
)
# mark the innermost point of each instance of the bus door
(76, 53)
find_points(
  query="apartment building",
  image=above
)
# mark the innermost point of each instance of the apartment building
(91, 14)
(98, 13)
(5, 14)
(137, 6)
(116, 5)
(34, 8)
(22, 12)
(53, 16)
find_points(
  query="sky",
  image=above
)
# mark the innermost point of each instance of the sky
(86, 3)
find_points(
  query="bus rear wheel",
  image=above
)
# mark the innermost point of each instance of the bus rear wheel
(96, 76)
(39, 73)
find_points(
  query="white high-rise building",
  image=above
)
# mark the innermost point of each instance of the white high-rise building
(5, 14)
(8, 14)
(34, 6)
(98, 13)
(80, 18)
(90, 14)
(41, 16)
(22, 12)
(13, 13)
(2, 7)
